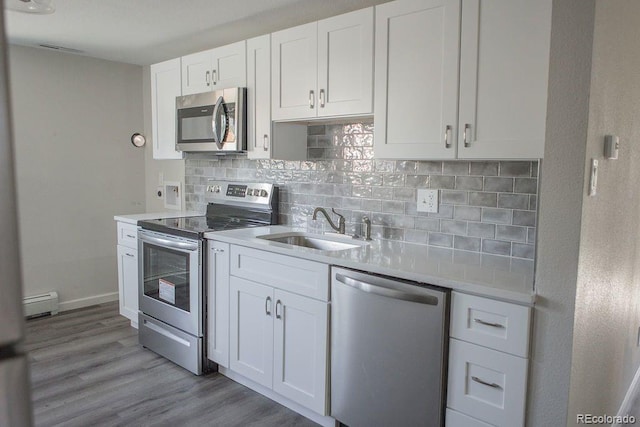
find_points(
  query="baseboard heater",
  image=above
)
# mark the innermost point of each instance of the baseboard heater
(41, 305)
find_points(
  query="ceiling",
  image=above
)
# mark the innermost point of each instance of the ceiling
(148, 31)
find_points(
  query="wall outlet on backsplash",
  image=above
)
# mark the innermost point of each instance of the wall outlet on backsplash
(427, 201)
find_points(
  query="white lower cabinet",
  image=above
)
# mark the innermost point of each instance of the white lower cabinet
(488, 362)
(128, 283)
(218, 302)
(127, 250)
(278, 338)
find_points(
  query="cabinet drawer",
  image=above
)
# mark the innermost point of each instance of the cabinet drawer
(128, 235)
(291, 274)
(495, 324)
(486, 384)
(456, 419)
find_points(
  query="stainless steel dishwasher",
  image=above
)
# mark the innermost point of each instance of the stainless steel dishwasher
(388, 350)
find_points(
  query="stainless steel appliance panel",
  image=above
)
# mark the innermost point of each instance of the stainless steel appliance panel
(388, 349)
(15, 398)
(170, 278)
(177, 346)
(212, 121)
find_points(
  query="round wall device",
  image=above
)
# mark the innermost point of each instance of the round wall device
(138, 139)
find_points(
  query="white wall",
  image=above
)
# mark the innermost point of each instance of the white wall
(76, 167)
(605, 355)
(560, 210)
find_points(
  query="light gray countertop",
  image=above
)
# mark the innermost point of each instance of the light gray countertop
(475, 273)
(134, 218)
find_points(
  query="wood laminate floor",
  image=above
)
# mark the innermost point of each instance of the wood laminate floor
(87, 369)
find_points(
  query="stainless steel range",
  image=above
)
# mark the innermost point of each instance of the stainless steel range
(172, 298)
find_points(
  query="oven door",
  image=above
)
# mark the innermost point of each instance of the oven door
(169, 285)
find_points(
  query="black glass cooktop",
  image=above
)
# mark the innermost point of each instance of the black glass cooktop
(196, 226)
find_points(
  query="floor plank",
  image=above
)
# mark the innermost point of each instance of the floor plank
(87, 368)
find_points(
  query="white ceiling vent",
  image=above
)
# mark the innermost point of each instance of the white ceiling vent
(60, 48)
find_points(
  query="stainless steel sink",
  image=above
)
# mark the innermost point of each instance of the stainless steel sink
(314, 241)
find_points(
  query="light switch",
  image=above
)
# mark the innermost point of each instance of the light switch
(593, 182)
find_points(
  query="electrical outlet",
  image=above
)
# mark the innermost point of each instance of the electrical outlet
(427, 200)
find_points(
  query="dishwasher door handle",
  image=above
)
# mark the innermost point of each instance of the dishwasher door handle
(395, 293)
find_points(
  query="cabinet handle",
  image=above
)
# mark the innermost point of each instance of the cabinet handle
(207, 77)
(278, 314)
(265, 145)
(215, 77)
(216, 250)
(130, 255)
(312, 100)
(482, 322)
(267, 306)
(321, 98)
(447, 131)
(479, 381)
(131, 236)
(467, 127)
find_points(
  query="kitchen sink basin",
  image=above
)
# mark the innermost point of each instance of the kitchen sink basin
(314, 241)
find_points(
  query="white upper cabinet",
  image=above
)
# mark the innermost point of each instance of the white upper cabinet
(324, 68)
(213, 69)
(345, 64)
(267, 140)
(259, 97)
(504, 67)
(294, 77)
(165, 87)
(416, 69)
(489, 105)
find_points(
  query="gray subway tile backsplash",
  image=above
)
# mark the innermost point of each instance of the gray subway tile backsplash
(485, 206)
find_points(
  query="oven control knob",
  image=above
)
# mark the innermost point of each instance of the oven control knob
(263, 193)
(250, 192)
(215, 189)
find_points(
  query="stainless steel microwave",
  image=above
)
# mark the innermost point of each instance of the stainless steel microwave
(212, 121)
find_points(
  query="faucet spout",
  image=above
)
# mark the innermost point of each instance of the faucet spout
(341, 221)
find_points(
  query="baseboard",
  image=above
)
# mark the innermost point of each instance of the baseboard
(324, 421)
(632, 392)
(88, 301)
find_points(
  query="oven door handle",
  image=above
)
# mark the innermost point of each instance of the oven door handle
(173, 244)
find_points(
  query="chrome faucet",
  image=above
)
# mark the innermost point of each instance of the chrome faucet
(339, 228)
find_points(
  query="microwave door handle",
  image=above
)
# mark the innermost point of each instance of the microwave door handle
(218, 135)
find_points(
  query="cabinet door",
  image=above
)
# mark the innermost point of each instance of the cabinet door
(345, 64)
(416, 79)
(128, 283)
(218, 302)
(251, 332)
(504, 67)
(229, 66)
(165, 87)
(259, 97)
(196, 73)
(294, 72)
(300, 350)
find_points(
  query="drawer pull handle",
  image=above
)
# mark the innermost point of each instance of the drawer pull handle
(492, 385)
(131, 236)
(218, 251)
(482, 322)
(129, 255)
(267, 306)
(278, 312)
